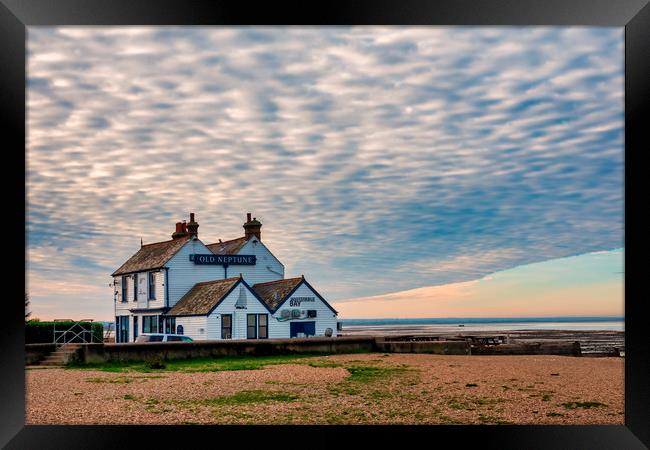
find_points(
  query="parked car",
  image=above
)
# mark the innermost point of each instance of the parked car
(159, 337)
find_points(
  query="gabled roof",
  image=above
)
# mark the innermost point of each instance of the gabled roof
(273, 293)
(230, 247)
(152, 256)
(203, 297)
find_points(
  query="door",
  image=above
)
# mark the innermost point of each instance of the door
(124, 329)
(308, 328)
(135, 327)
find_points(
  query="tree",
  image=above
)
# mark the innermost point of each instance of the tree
(27, 312)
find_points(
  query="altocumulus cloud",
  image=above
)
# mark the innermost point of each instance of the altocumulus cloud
(379, 159)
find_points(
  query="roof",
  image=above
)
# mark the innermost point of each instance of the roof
(203, 297)
(273, 293)
(227, 247)
(152, 256)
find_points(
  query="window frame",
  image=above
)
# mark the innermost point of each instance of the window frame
(265, 326)
(150, 320)
(248, 326)
(125, 289)
(135, 287)
(151, 278)
(223, 328)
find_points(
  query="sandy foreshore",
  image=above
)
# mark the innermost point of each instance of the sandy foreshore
(371, 388)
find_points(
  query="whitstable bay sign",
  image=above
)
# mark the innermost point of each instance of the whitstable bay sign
(223, 260)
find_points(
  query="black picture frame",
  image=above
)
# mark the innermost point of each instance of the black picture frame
(634, 15)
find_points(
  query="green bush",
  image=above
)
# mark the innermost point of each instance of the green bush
(43, 332)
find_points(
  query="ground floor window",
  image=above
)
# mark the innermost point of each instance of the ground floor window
(149, 324)
(135, 327)
(122, 328)
(251, 326)
(179, 329)
(170, 325)
(263, 322)
(257, 326)
(226, 326)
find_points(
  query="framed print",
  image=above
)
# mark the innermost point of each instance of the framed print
(362, 220)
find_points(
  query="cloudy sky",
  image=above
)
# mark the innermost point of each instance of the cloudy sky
(379, 160)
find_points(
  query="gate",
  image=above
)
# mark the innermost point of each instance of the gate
(79, 332)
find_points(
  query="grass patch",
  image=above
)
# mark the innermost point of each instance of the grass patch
(243, 398)
(245, 362)
(367, 374)
(585, 405)
(546, 397)
(128, 397)
(554, 414)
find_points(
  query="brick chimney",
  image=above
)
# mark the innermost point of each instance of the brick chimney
(252, 228)
(193, 227)
(180, 231)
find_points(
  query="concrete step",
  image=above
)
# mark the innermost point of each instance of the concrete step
(54, 358)
(52, 363)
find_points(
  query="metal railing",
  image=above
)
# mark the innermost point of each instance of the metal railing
(79, 332)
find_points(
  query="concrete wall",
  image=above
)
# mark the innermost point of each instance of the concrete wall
(36, 352)
(537, 348)
(436, 347)
(97, 353)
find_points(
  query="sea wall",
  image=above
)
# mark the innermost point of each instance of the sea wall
(94, 353)
(533, 348)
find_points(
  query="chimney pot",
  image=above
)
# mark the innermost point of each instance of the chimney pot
(248, 217)
(191, 217)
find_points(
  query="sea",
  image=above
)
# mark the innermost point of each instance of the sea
(586, 323)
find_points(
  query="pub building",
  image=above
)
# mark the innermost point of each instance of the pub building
(232, 289)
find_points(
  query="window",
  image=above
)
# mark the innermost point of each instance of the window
(170, 325)
(156, 338)
(135, 287)
(311, 313)
(226, 326)
(149, 324)
(124, 288)
(262, 320)
(135, 327)
(179, 329)
(161, 325)
(257, 326)
(152, 285)
(251, 326)
(122, 326)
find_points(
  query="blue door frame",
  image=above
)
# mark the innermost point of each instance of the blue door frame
(309, 328)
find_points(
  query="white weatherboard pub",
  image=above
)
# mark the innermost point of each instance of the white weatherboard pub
(226, 290)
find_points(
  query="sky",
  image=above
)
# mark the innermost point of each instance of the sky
(380, 160)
